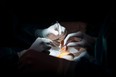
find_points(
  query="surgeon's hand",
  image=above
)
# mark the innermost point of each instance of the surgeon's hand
(41, 44)
(78, 39)
(55, 32)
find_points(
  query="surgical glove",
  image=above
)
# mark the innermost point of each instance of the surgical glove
(78, 39)
(41, 44)
(53, 32)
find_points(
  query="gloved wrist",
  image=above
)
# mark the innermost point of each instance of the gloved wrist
(38, 33)
(41, 33)
(44, 33)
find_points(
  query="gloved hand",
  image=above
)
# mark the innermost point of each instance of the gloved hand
(54, 31)
(41, 44)
(78, 39)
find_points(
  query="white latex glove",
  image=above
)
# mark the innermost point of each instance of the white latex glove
(41, 44)
(55, 31)
(78, 39)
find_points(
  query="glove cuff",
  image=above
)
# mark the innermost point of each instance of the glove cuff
(44, 33)
(39, 33)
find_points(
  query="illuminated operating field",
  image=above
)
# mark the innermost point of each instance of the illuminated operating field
(64, 52)
(68, 53)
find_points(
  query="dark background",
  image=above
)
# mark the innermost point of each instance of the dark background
(16, 15)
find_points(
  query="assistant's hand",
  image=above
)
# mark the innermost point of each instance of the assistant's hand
(41, 44)
(78, 39)
(54, 32)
